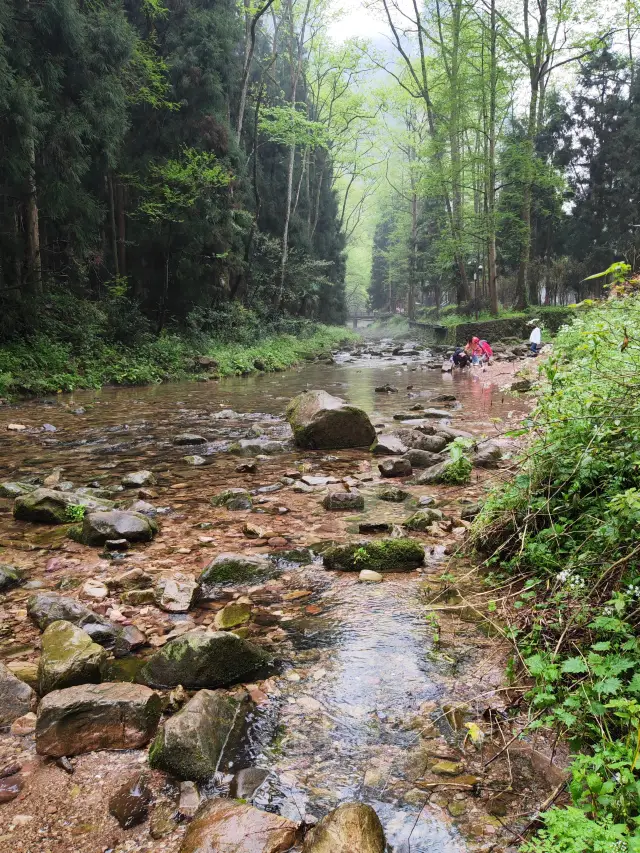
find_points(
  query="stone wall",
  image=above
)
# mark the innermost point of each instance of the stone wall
(491, 330)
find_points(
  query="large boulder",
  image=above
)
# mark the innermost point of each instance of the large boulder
(99, 527)
(388, 444)
(384, 555)
(228, 826)
(96, 716)
(486, 455)
(190, 744)
(49, 506)
(69, 657)
(322, 422)
(47, 607)
(16, 697)
(198, 659)
(236, 569)
(351, 828)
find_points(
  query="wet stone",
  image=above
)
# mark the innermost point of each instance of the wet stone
(323, 422)
(232, 615)
(194, 460)
(50, 506)
(395, 468)
(233, 499)
(99, 527)
(116, 545)
(130, 803)
(375, 527)
(174, 595)
(163, 819)
(138, 478)
(386, 555)
(189, 801)
(235, 827)
(422, 458)
(246, 782)
(47, 607)
(351, 500)
(236, 569)
(422, 519)
(388, 445)
(10, 787)
(392, 494)
(10, 576)
(367, 576)
(189, 438)
(349, 828)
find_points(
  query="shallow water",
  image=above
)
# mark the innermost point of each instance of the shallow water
(361, 664)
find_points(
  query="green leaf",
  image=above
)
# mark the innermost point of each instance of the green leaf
(574, 665)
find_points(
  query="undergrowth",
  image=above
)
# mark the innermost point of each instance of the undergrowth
(567, 529)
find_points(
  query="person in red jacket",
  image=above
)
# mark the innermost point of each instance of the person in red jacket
(478, 350)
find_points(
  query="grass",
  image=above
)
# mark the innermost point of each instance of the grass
(450, 316)
(44, 365)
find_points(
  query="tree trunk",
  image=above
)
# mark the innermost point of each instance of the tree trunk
(34, 261)
(491, 183)
(112, 223)
(121, 227)
(413, 262)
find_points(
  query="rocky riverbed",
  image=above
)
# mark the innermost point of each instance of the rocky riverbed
(212, 638)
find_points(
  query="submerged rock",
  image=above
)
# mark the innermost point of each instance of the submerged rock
(194, 460)
(386, 555)
(69, 657)
(236, 569)
(233, 827)
(130, 803)
(351, 828)
(190, 744)
(322, 422)
(96, 716)
(200, 660)
(335, 500)
(98, 527)
(49, 506)
(233, 499)
(16, 697)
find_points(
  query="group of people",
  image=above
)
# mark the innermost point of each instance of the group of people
(478, 351)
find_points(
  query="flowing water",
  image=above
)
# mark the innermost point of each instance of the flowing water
(359, 659)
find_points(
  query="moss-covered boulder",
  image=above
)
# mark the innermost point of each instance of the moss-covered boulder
(233, 499)
(69, 657)
(14, 490)
(190, 744)
(9, 576)
(49, 506)
(385, 555)
(434, 474)
(200, 660)
(99, 527)
(422, 519)
(322, 422)
(233, 615)
(231, 569)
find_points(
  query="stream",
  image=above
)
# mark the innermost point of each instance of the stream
(337, 719)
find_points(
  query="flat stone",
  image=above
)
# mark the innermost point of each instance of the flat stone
(384, 555)
(375, 527)
(69, 657)
(246, 782)
(14, 490)
(50, 506)
(447, 768)
(16, 697)
(190, 744)
(232, 827)
(25, 725)
(189, 438)
(10, 576)
(189, 801)
(423, 458)
(194, 460)
(96, 716)
(422, 519)
(47, 607)
(174, 595)
(392, 494)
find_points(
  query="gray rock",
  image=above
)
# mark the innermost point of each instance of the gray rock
(351, 828)
(189, 438)
(128, 640)
(437, 413)
(47, 607)
(194, 460)
(14, 490)
(431, 443)
(352, 500)
(144, 508)
(9, 576)
(96, 716)
(487, 455)
(246, 782)
(50, 506)
(422, 458)
(375, 527)
(433, 475)
(69, 657)
(16, 697)
(176, 596)
(395, 468)
(388, 445)
(470, 512)
(138, 478)
(236, 569)
(98, 527)
(322, 422)
(233, 499)
(391, 494)
(257, 446)
(190, 744)
(200, 660)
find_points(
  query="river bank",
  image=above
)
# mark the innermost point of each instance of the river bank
(45, 365)
(377, 688)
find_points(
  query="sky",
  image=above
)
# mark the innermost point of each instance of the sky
(357, 20)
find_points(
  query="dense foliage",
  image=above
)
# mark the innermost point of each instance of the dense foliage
(152, 155)
(567, 529)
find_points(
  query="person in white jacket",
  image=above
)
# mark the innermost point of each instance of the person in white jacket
(535, 338)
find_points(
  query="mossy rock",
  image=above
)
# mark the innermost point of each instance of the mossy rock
(386, 555)
(48, 506)
(422, 519)
(233, 499)
(99, 527)
(391, 494)
(69, 657)
(230, 569)
(322, 422)
(9, 576)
